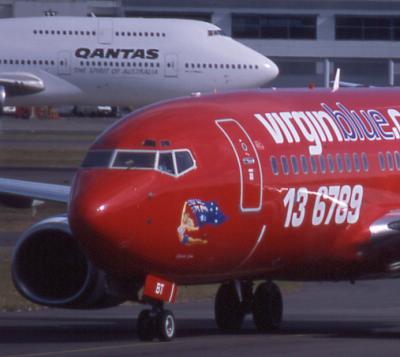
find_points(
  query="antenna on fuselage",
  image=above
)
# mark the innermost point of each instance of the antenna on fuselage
(336, 82)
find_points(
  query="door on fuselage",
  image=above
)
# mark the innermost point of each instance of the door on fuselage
(251, 180)
(105, 31)
(64, 62)
(171, 65)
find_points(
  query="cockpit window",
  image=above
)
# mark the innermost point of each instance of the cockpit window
(97, 159)
(216, 33)
(184, 161)
(171, 162)
(166, 163)
(137, 160)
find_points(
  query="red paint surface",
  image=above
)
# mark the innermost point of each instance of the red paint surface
(136, 233)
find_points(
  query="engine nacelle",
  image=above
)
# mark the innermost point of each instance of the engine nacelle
(49, 268)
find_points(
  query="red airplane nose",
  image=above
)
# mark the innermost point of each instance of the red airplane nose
(100, 215)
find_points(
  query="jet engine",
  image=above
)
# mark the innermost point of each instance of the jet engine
(49, 268)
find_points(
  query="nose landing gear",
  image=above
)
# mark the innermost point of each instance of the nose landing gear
(234, 301)
(156, 323)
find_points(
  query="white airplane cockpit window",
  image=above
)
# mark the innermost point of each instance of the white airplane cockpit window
(172, 162)
(100, 158)
(166, 163)
(184, 161)
(134, 159)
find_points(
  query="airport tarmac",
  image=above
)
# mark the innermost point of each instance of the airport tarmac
(329, 319)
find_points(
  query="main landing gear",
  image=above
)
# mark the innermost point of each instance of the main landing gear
(156, 323)
(236, 299)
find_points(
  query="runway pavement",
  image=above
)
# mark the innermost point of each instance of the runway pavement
(330, 319)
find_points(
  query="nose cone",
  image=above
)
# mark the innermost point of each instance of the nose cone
(271, 70)
(100, 219)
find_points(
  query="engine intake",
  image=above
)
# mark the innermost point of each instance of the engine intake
(49, 268)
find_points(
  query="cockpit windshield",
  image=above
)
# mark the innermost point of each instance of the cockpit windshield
(137, 160)
(216, 33)
(173, 162)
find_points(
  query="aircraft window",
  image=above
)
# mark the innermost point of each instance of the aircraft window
(94, 33)
(82, 33)
(389, 159)
(41, 32)
(146, 64)
(140, 34)
(97, 159)
(381, 161)
(117, 33)
(76, 33)
(356, 162)
(244, 66)
(35, 32)
(347, 161)
(274, 165)
(339, 162)
(122, 33)
(166, 163)
(313, 164)
(58, 32)
(152, 34)
(151, 64)
(11, 62)
(322, 164)
(304, 164)
(295, 165)
(186, 65)
(250, 66)
(285, 165)
(364, 159)
(16, 61)
(122, 64)
(331, 164)
(129, 159)
(184, 161)
(34, 62)
(158, 34)
(397, 159)
(146, 34)
(233, 66)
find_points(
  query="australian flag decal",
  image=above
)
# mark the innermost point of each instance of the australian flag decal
(206, 212)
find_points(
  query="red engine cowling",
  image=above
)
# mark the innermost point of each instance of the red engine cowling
(49, 268)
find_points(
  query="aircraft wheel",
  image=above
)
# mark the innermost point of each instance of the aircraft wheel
(166, 325)
(145, 326)
(229, 311)
(267, 307)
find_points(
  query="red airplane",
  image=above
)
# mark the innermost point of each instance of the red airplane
(226, 188)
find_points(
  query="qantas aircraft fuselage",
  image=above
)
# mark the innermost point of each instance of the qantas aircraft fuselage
(121, 61)
(274, 184)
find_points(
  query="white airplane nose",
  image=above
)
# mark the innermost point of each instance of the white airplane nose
(270, 70)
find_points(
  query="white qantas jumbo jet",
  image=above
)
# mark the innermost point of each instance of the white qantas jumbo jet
(120, 61)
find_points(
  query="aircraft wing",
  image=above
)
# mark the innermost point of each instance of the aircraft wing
(33, 190)
(20, 83)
